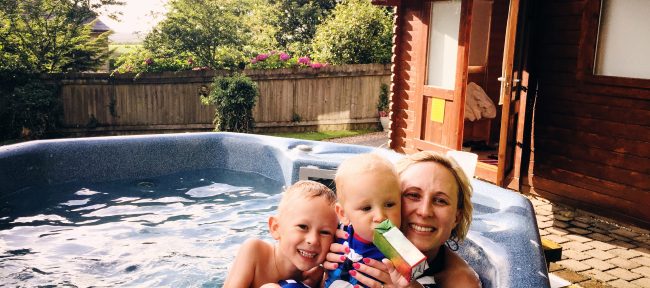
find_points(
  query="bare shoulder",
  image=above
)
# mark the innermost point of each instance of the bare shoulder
(457, 272)
(253, 256)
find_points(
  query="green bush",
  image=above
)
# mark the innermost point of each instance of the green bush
(357, 32)
(383, 102)
(29, 109)
(234, 98)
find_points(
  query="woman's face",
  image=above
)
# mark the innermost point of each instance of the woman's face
(429, 205)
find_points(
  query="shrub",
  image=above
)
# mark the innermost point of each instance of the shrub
(356, 33)
(29, 109)
(275, 60)
(234, 98)
(383, 102)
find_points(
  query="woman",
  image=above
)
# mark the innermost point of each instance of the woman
(436, 209)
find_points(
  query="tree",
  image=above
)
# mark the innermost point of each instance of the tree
(51, 35)
(297, 22)
(357, 32)
(211, 31)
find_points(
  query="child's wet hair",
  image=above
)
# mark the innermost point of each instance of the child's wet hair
(307, 189)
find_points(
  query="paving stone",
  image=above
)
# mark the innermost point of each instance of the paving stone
(604, 226)
(623, 263)
(622, 284)
(556, 238)
(570, 276)
(561, 217)
(601, 245)
(552, 267)
(598, 230)
(640, 230)
(542, 218)
(642, 282)
(643, 270)
(577, 238)
(579, 230)
(579, 224)
(623, 244)
(624, 253)
(574, 265)
(599, 254)
(575, 255)
(576, 246)
(598, 264)
(594, 284)
(643, 239)
(557, 231)
(624, 274)
(625, 232)
(599, 275)
(644, 251)
(560, 224)
(643, 260)
(584, 219)
(544, 225)
(543, 232)
(600, 237)
(542, 211)
(621, 238)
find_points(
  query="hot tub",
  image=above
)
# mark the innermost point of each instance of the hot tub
(171, 210)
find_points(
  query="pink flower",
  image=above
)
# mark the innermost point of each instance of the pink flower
(316, 65)
(304, 60)
(262, 57)
(253, 61)
(284, 56)
(149, 61)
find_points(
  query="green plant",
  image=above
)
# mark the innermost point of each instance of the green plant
(383, 102)
(234, 98)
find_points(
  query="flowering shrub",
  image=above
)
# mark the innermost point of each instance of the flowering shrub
(276, 60)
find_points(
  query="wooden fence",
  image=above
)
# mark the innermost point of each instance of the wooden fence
(333, 97)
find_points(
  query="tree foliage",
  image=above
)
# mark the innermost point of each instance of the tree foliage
(210, 31)
(51, 35)
(357, 32)
(297, 22)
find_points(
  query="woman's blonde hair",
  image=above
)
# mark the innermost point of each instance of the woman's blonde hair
(464, 188)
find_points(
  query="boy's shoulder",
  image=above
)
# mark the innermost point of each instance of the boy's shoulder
(257, 246)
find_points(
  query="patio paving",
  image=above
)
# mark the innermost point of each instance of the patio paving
(596, 251)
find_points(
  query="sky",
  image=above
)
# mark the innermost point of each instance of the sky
(138, 17)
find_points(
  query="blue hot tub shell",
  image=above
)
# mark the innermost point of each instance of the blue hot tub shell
(503, 244)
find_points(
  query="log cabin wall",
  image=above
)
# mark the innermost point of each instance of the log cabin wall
(407, 26)
(591, 139)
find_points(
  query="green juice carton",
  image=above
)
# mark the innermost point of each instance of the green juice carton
(406, 258)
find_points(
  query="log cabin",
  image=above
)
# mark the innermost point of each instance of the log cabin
(569, 81)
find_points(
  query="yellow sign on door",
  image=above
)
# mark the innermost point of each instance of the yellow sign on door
(437, 110)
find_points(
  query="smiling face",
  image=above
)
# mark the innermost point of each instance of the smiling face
(305, 230)
(429, 205)
(367, 199)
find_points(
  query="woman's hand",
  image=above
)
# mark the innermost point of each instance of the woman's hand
(375, 269)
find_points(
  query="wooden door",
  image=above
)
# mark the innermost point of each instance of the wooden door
(442, 74)
(514, 83)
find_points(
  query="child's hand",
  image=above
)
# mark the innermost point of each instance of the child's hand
(335, 256)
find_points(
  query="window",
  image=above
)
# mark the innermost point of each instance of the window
(443, 44)
(623, 42)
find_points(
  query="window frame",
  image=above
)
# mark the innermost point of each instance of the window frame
(587, 52)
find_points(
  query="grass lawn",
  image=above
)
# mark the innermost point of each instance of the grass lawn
(321, 135)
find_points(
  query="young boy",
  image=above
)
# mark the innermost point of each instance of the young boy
(304, 228)
(367, 189)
